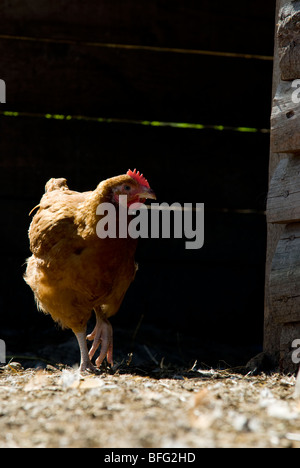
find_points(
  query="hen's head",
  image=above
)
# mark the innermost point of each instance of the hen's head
(134, 186)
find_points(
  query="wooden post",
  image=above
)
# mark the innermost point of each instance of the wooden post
(282, 306)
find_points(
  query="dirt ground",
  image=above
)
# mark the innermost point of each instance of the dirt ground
(188, 409)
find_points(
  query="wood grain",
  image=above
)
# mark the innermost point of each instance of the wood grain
(288, 40)
(285, 119)
(285, 277)
(272, 330)
(283, 205)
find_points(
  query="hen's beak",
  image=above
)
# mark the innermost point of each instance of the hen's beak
(148, 193)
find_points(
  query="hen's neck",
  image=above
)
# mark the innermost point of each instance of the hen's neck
(87, 217)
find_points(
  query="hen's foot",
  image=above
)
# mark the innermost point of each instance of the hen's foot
(102, 335)
(85, 362)
(88, 367)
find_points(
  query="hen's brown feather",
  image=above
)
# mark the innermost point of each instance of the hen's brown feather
(72, 271)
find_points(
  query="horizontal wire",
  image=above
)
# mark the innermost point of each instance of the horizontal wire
(153, 123)
(108, 45)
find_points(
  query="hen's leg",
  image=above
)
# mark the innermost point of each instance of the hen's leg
(102, 335)
(85, 362)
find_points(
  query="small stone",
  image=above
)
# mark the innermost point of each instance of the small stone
(15, 366)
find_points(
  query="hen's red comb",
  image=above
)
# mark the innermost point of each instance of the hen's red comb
(138, 177)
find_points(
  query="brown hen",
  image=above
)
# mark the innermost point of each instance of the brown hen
(73, 271)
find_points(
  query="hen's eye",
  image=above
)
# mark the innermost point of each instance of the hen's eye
(127, 188)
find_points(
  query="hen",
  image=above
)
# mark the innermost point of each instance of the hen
(73, 271)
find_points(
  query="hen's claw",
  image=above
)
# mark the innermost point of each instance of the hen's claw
(88, 367)
(102, 335)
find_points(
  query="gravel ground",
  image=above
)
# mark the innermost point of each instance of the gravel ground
(188, 409)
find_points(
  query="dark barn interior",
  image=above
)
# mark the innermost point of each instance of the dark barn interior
(179, 90)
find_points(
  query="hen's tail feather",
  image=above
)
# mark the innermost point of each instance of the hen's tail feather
(53, 184)
(35, 208)
(56, 184)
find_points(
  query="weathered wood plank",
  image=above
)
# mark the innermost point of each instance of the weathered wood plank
(211, 169)
(289, 40)
(271, 329)
(285, 119)
(131, 84)
(285, 277)
(169, 23)
(283, 204)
